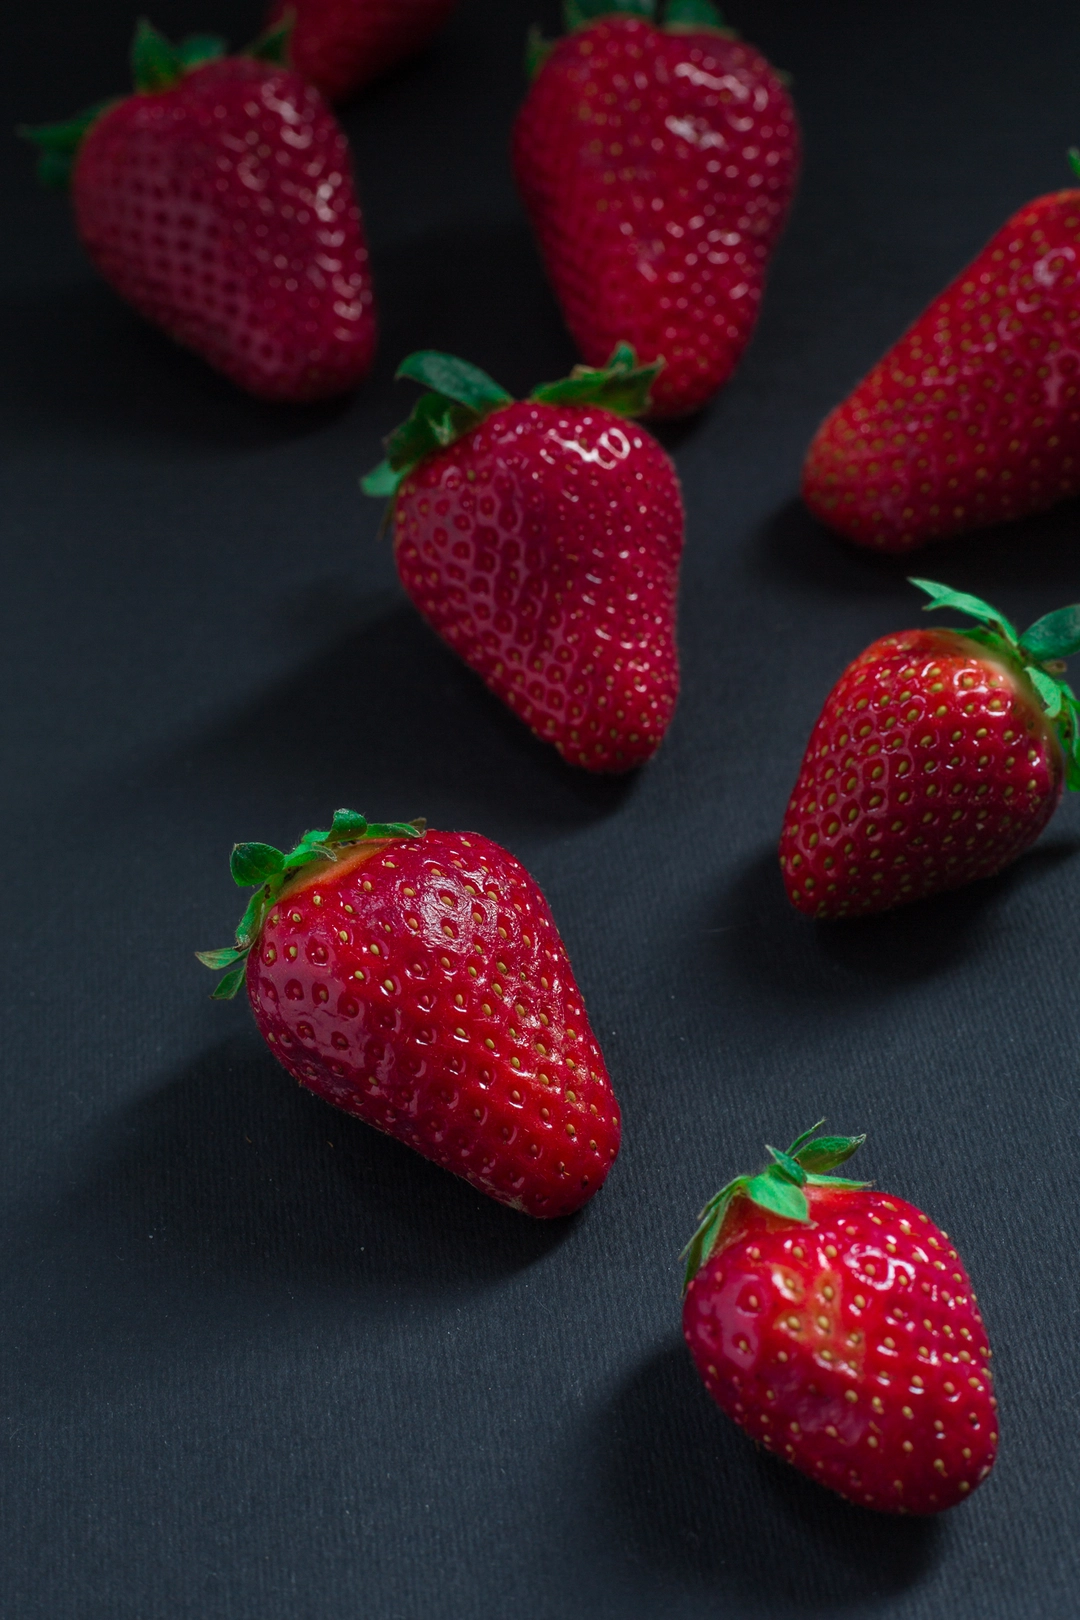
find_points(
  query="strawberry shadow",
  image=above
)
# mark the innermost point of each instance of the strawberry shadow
(81, 366)
(1027, 567)
(691, 1503)
(763, 938)
(385, 717)
(228, 1196)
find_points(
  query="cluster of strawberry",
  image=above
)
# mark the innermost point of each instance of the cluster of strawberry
(415, 978)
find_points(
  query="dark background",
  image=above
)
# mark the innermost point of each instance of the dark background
(260, 1363)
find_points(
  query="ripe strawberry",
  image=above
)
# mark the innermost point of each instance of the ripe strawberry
(218, 201)
(339, 45)
(657, 166)
(973, 417)
(541, 540)
(938, 758)
(417, 980)
(838, 1327)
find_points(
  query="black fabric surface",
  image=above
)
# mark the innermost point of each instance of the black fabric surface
(260, 1363)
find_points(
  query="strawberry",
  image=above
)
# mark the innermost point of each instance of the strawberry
(657, 166)
(541, 540)
(416, 979)
(339, 45)
(838, 1327)
(217, 201)
(938, 758)
(973, 417)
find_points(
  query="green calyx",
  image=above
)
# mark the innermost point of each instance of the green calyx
(678, 17)
(1039, 653)
(269, 869)
(674, 14)
(461, 395)
(156, 65)
(777, 1188)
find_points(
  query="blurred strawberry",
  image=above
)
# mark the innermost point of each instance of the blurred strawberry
(217, 200)
(657, 165)
(339, 45)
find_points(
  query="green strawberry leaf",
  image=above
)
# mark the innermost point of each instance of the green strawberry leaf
(347, 825)
(579, 13)
(382, 481)
(692, 14)
(155, 63)
(835, 1181)
(222, 958)
(58, 144)
(456, 379)
(247, 929)
(1048, 689)
(1056, 635)
(254, 863)
(943, 596)
(622, 386)
(801, 1141)
(1073, 156)
(825, 1152)
(435, 423)
(537, 51)
(710, 1222)
(199, 48)
(313, 847)
(272, 45)
(788, 1167)
(770, 1190)
(226, 988)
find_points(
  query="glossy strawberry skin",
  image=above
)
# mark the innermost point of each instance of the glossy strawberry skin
(973, 417)
(223, 210)
(422, 986)
(340, 45)
(657, 169)
(931, 764)
(852, 1347)
(544, 548)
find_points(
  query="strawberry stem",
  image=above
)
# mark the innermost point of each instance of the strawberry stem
(1038, 653)
(461, 396)
(777, 1188)
(156, 65)
(270, 869)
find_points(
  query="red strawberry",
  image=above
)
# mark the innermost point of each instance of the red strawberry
(218, 201)
(417, 979)
(339, 45)
(973, 417)
(541, 540)
(838, 1327)
(657, 166)
(938, 758)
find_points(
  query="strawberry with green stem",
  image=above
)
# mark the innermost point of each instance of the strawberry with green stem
(939, 757)
(541, 539)
(218, 201)
(838, 1327)
(416, 979)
